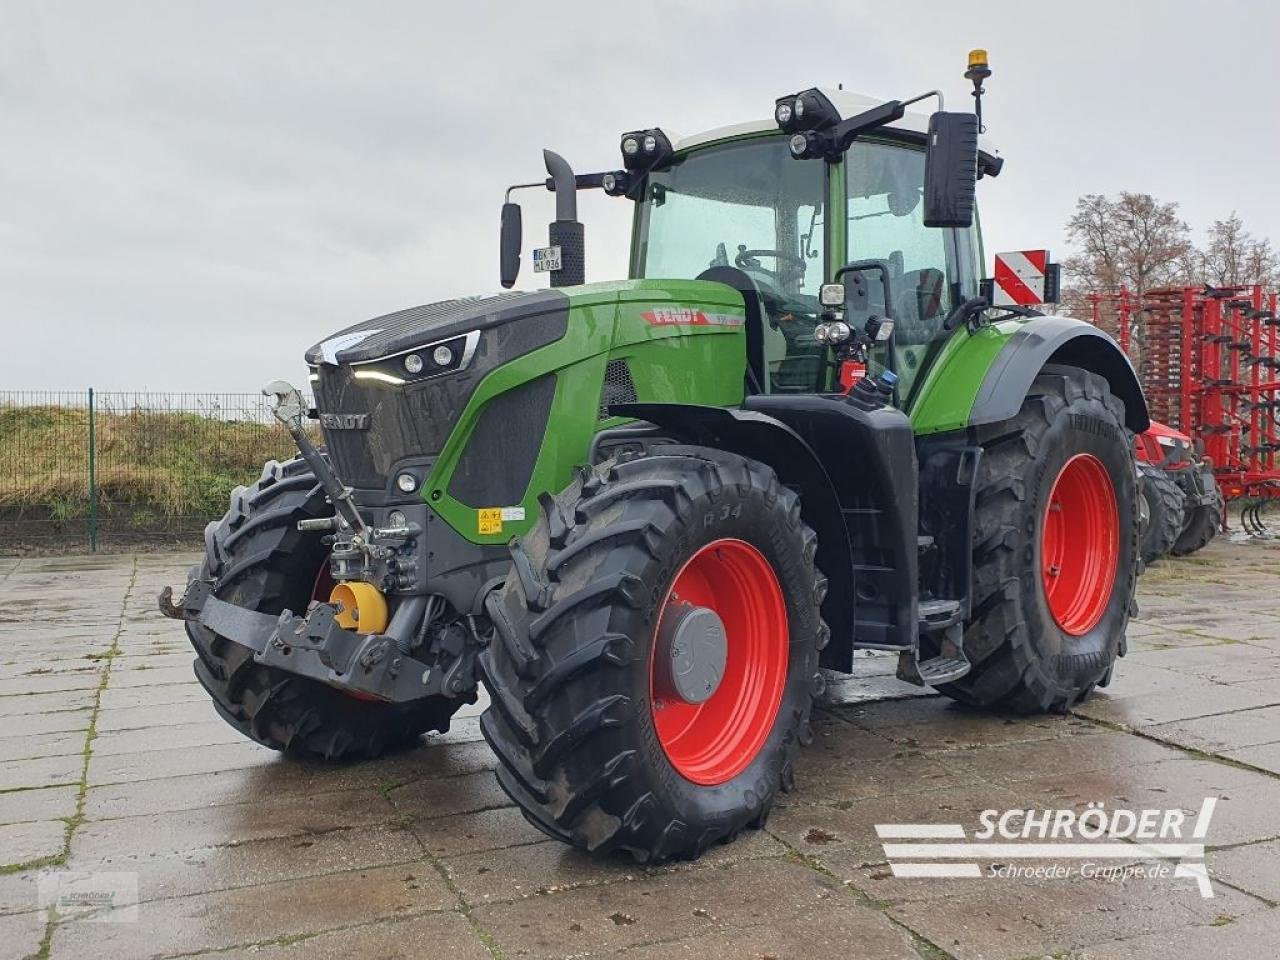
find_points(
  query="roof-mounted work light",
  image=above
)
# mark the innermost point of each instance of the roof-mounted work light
(645, 149)
(807, 110)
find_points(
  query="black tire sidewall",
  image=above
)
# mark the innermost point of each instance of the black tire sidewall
(1064, 660)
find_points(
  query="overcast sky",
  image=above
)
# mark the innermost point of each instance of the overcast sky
(193, 193)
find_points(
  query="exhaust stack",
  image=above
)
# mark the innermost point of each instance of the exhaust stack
(565, 231)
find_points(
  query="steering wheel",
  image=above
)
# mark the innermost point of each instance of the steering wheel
(746, 259)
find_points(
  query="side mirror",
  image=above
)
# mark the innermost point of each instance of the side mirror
(854, 278)
(509, 244)
(951, 170)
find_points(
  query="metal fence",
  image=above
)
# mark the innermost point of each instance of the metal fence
(83, 469)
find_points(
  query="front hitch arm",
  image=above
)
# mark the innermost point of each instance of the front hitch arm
(288, 409)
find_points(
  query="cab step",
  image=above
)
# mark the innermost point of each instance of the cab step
(942, 670)
(938, 614)
(950, 663)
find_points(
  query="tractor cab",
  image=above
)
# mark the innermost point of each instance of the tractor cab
(736, 205)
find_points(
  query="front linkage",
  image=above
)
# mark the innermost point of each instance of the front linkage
(323, 644)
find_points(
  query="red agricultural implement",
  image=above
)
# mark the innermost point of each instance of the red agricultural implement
(1209, 361)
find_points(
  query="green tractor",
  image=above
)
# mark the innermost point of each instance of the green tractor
(646, 515)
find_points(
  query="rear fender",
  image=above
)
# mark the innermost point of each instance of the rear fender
(983, 377)
(1047, 340)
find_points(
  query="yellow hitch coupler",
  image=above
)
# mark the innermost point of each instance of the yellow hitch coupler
(363, 607)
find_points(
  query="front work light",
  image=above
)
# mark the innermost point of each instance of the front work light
(807, 110)
(645, 149)
(831, 295)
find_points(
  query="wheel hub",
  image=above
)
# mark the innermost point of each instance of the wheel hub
(723, 624)
(692, 649)
(1080, 544)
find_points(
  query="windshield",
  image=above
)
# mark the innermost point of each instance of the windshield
(747, 205)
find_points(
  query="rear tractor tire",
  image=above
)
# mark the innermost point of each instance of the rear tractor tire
(656, 654)
(259, 560)
(1165, 507)
(1055, 548)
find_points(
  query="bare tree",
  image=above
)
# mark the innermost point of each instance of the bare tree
(1134, 241)
(1233, 257)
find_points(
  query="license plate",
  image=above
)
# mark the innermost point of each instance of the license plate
(546, 259)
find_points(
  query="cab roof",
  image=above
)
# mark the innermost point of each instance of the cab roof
(848, 103)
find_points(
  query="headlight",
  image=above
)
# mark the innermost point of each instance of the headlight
(407, 367)
(820, 333)
(782, 114)
(407, 483)
(630, 146)
(838, 332)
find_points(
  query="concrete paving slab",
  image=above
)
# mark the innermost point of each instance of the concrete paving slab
(253, 914)
(1008, 919)
(40, 772)
(529, 870)
(245, 863)
(25, 705)
(39, 745)
(28, 842)
(391, 939)
(20, 935)
(1251, 867)
(645, 910)
(51, 803)
(258, 818)
(1223, 732)
(1224, 938)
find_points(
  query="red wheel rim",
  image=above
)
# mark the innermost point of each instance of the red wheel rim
(712, 742)
(323, 585)
(1079, 549)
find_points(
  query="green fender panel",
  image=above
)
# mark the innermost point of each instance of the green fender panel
(983, 377)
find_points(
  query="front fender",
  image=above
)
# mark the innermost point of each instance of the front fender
(984, 377)
(762, 437)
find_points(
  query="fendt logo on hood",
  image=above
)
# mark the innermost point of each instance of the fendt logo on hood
(345, 421)
(688, 317)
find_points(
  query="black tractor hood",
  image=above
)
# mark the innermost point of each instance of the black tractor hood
(418, 326)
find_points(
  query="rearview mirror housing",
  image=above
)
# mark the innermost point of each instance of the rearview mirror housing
(951, 170)
(509, 244)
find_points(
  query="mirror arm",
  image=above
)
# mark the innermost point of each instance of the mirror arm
(925, 96)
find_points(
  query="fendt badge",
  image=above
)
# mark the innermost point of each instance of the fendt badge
(345, 421)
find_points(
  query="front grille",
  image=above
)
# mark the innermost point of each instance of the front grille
(618, 387)
(403, 422)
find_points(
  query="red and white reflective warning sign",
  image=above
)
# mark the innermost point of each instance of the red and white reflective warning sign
(1021, 278)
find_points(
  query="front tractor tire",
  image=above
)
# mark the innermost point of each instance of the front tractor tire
(656, 654)
(1165, 507)
(259, 560)
(1055, 548)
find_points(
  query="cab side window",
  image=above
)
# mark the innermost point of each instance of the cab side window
(884, 184)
